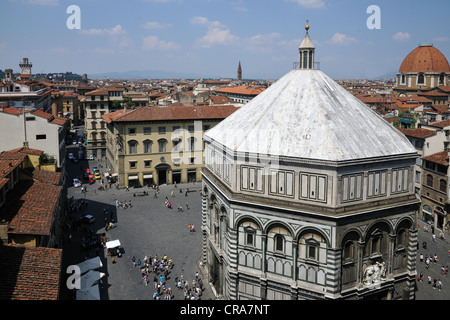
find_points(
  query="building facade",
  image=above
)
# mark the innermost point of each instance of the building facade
(318, 203)
(35, 129)
(158, 145)
(96, 104)
(435, 190)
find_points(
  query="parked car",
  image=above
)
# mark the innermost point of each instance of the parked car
(91, 179)
(76, 183)
(74, 142)
(97, 176)
(70, 156)
(88, 219)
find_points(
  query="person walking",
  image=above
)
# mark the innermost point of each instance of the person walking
(145, 279)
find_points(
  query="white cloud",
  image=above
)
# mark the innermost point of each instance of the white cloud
(154, 25)
(217, 33)
(39, 2)
(151, 43)
(114, 31)
(205, 22)
(401, 36)
(315, 4)
(342, 39)
(217, 36)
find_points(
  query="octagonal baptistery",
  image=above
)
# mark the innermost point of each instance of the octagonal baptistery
(308, 194)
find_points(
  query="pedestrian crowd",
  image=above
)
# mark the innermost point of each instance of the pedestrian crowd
(160, 269)
(431, 260)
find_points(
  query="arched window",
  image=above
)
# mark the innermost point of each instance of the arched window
(279, 243)
(402, 237)
(442, 185)
(147, 146)
(349, 251)
(162, 145)
(250, 234)
(429, 180)
(132, 147)
(427, 209)
(421, 79)
(442, 79)
(176, 144)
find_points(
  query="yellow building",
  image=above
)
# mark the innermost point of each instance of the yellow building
(158, 145)
(71, 106)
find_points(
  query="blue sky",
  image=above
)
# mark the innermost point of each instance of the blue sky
(210, 37)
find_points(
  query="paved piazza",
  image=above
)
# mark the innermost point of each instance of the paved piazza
(150, 228)
(147, 228)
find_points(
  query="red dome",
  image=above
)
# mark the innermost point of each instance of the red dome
(425, 58)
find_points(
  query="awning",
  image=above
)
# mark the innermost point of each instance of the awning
(112, 244)
(91, 293)
(148, 176)
(91, 278)
(90, 264)
(114, 175)
(133, 178)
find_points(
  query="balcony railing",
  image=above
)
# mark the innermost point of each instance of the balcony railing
(296, 65)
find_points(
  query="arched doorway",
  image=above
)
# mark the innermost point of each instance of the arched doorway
(162, 170)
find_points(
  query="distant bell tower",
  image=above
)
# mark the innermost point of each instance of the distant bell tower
(25, 69)
(306, 51)
(239, 72)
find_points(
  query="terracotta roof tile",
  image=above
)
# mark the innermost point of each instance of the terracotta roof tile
(417, 133)
(439, 158)
(177, 112)
(30, 273)
(425, 58)
(445, 88)
(440, 124)
(30, 207)
(50, 177)
(244, 90)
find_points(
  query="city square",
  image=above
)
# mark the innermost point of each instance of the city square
(150, 228)
(152, 169)
(147, 228)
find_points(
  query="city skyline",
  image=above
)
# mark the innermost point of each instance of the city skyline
(208, 38)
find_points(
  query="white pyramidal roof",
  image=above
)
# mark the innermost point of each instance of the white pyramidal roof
(307, 43)
(306, 114)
